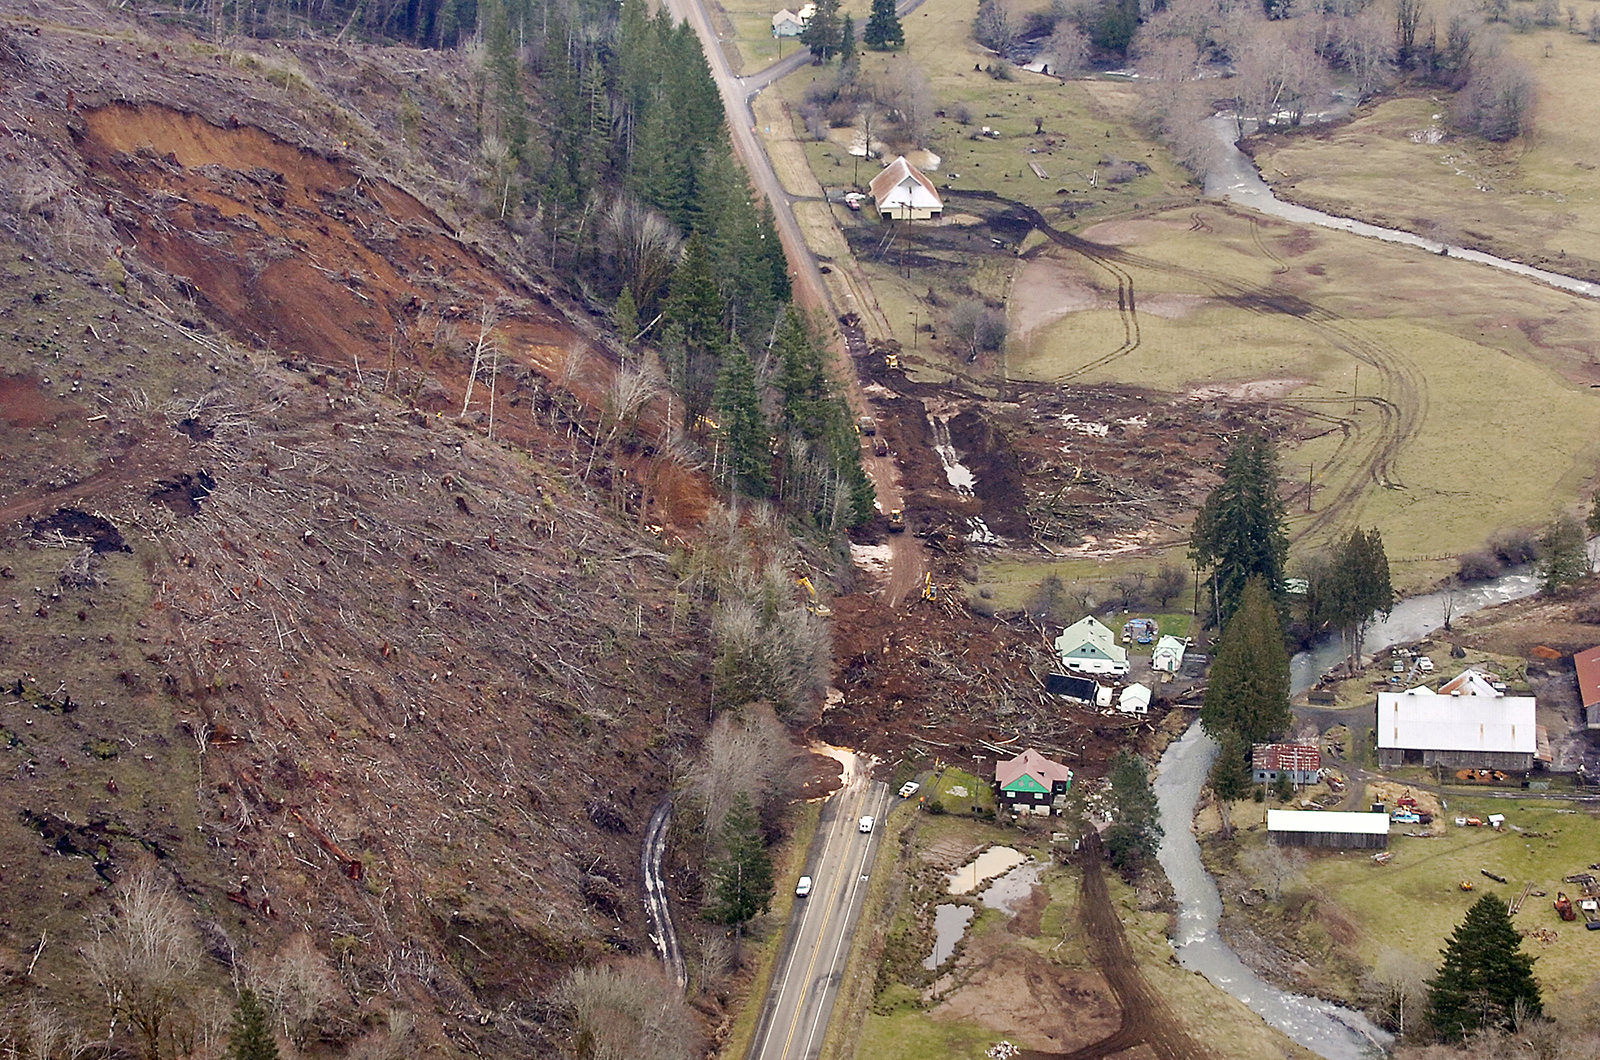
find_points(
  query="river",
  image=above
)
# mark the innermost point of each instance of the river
(1329, 1030)
(1234, 177)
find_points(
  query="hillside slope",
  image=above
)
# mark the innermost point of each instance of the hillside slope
(335, 661)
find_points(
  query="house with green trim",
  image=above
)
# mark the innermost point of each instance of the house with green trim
(1089, 647)
(1031, 782)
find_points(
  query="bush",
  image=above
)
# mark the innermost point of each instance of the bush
(1478, 566)
(1516, 547)
(936, 806)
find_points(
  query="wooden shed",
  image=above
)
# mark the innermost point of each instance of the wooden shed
(1334, 829)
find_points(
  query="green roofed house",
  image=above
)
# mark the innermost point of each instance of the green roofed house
(1030, 782)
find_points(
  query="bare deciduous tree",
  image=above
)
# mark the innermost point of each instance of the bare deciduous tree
(629, 1011)
(144, 958)
(644, 245)
(299, 987)
(1275, 866)
(1069, 49)
(747, 754)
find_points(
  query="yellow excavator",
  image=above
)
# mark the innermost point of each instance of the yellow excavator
(930, 591)
(814, 603)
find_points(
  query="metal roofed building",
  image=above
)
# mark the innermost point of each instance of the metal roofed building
(1338, 829)
(1587, 664)
(1422, 728)
(1302, 762)
(902, 193)
(1031, 781)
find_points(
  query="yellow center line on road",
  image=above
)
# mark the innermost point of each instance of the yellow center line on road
(805, 987)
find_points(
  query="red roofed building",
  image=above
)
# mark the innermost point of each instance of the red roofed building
(1587, 663)
(1031, 781)
(1301, 762)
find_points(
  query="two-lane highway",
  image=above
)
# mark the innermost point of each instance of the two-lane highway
(817, 946)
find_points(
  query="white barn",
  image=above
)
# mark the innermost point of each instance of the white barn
(1420, 727)
(902, 193)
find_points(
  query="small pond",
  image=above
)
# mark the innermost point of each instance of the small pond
(989, 864)
(1009, 891)
(949, 924)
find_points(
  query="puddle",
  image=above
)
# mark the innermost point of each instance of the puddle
(949, 924)
(989, 864)
(1009, 891)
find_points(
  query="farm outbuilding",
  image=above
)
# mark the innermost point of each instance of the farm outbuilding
(1083, 689)
(1135, 699)
(1168, 654)
(1587, 664)
(1300, 762)
(1420, 727)
(902, 193)
(1334, 829)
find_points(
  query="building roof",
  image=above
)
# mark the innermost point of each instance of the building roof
(1169, 643)
(1419, 720)
(786, 16)
(1090, 631)
(1587, 663)
(1030, 771)
(1135, 697)
(1470, 682)
(1342, 821)
(1083, 688)
(1300, 757)
(902, 184)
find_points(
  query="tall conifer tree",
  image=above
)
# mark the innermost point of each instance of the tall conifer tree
(1485, 980)
(1239, 531)
(883, 27)
(1247, 690)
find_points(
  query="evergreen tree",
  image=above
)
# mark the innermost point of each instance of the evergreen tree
(1239, 531)
(1563, 554)
(883, 27)
(1135, 830)
(821, 33)
(693, 317)
(252, 1037)
(1230, 775)
(625, 316)
(1353, 587)
(742, 426)
(849, 57)
(1247, 690)
(742, 880)
(1486, 980)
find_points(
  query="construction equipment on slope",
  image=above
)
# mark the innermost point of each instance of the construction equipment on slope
(813, 603)
(930, 591)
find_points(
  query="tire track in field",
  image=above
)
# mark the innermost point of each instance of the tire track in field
(1400, 399)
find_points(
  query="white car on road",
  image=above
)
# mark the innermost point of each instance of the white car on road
(866, 823)
(803, 888)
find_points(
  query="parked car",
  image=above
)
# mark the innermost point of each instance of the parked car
(866, 823)
(803, 888)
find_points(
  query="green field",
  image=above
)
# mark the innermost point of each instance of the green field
(1413, 903)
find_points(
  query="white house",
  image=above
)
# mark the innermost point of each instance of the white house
(1088, 647)
(904, 194)
(787, 23)
(1135, 699)
(1168, 655)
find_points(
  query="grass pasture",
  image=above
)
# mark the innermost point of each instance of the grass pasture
(1420, 375)
(1534, 199)
(1413, 903)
